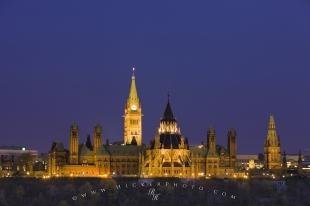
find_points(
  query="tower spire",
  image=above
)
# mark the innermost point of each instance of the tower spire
(168, 114)
(272, 148)
(133, 94)
(271, 124)
(133, 115)
(272, 137)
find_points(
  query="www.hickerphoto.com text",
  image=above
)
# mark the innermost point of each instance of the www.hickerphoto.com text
(153, 186)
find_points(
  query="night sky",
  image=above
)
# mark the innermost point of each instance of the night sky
(225, 63)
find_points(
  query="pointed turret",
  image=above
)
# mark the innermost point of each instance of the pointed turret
(211, 141)
(74, 144)
(168, 114)
(88, 143)
(212, 157)
(232, 147)
(97, 138)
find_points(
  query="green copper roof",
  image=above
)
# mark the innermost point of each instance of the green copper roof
(124, 150)
(84, 150)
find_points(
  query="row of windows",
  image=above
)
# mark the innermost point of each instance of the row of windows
(134, 122)
(124, 165)
(85, 162)
(134, 133)
(114, 160)
(124, 172)
(123, 160)
(105, 164)
(209, 162)
(175, 172)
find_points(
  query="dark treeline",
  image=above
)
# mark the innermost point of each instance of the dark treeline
(66, 191)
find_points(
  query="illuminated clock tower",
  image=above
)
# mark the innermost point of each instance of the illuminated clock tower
(133, 116)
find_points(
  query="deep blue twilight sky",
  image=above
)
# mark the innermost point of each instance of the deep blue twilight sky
(226, 63)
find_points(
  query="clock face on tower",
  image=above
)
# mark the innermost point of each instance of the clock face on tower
(133, 107)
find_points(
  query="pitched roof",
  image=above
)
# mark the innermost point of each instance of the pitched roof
(199, 151)
(124, 150)
(57, 147)
(170, 141)
(84, 150)
(168, 114)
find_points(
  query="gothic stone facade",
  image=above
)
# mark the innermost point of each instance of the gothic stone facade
(168, 155)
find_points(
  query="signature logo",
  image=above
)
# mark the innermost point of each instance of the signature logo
(152, 193)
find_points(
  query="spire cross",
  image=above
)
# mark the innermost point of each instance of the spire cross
(168, 97)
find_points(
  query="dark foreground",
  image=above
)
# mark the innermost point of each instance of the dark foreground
(63, 192)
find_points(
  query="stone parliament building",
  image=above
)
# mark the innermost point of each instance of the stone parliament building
(168, 155)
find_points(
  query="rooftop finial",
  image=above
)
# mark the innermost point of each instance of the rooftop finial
(133, 72)
(168, 96)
